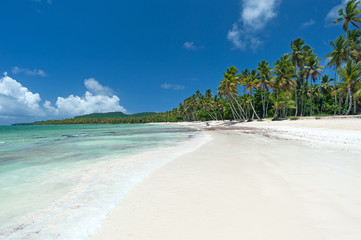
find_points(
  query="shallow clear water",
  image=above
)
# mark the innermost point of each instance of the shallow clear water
(59, 182)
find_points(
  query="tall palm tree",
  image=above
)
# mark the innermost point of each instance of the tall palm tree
(351, 76)
(355, 44)
(324, 88)
(284, 73)
(337, 57)
(229, 89)
(298, 57)
(349, 15)
(208, 104)
(251, 83)
(313, 71)
(264, 83)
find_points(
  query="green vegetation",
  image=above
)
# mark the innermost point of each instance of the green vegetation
(294, 86)
(115, 115)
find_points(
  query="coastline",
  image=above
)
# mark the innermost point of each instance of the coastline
(94, 186)
(256, 180)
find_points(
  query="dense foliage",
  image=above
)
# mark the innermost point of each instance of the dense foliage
(293, 86)
(115, 115)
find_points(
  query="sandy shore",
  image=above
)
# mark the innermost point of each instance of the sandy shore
(261, 180)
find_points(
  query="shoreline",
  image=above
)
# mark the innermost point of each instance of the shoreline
(251, 181)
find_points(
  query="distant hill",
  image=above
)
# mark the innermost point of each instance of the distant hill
(114, 115)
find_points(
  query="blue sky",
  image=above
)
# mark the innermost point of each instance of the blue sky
(64, 58)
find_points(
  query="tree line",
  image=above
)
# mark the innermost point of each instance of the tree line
(293, 86)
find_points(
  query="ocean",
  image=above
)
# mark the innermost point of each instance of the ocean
(60, 182)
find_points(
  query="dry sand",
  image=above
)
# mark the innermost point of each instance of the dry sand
(260, 180)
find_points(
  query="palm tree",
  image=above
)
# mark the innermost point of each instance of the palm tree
(337, 57)
(264, 83)
(355, 45)
(313, 71)
(207, 104)
(280, 101)
(284, 73)
(219, 103)
(349, 15)
(324, 88)
(351, 76)
(229, 89)
(251, 83)
(298, 57)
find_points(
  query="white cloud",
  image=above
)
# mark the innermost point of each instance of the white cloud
(255, 14)
(308, 23)
(28, 72)
(333, 13)
(89, 103)
(191, 46)
(242, 39)
(94, 87)
(18, 102)
(172, 86)
(235, 36)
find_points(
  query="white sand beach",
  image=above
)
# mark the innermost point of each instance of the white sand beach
(259, 180)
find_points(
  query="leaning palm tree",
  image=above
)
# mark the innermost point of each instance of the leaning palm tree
(349, 15)
(351, 76)
(250, 84)
(337, 57)
(229, 89)
(313, 71)
(208, 104)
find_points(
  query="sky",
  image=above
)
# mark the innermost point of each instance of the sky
(61, 58)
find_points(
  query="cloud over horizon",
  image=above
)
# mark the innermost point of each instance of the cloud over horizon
(96, 88)
(255, 14)
(18, 102)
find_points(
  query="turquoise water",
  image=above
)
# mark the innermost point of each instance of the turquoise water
(59, 182)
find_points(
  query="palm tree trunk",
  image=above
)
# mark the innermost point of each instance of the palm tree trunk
(229, 104)
(234, 111)
(350, 103)
(339, 103)
(239, 107)
(303, 96)
(321, 105)
(335, 90)
(296, 102)
(220, 113)
(209, 113)
(311, 98)
(263, 103)
(347, 97)
(354, 106)
(254, 111)
(267, 109)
